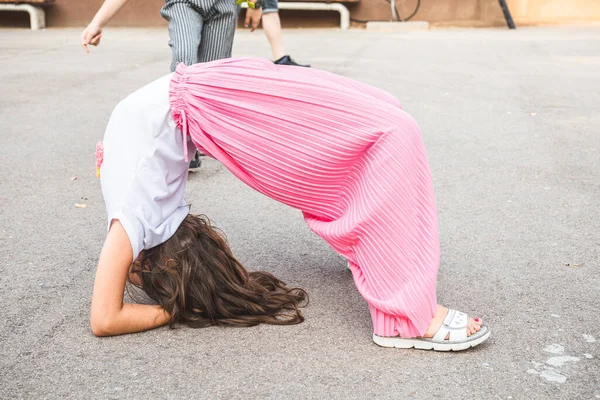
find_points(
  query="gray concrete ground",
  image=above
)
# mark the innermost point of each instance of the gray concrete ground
(512, 127)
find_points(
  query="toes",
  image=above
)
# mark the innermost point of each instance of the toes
(473, 326)
(472, 329)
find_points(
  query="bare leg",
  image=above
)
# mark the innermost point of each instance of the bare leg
(272, 26)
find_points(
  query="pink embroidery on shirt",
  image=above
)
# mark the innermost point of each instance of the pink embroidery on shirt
(99, 157)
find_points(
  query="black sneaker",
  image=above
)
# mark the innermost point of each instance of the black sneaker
(196, 163)
(287, 60)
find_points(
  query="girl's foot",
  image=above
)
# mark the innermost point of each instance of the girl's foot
(449, 330)
(473, 325)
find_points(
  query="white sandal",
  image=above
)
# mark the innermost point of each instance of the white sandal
(455, 324)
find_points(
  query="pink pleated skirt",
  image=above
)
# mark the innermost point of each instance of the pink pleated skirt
(342, 152)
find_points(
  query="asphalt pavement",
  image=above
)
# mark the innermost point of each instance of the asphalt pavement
(511, 122)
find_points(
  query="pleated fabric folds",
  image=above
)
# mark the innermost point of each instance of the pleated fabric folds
(342, 152)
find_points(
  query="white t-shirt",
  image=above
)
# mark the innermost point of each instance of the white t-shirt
(144, 172)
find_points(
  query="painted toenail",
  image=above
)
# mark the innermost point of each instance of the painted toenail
(476, 319)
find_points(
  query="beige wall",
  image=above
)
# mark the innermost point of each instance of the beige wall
(432, 10)
(81, 12)
(531, 12)
(441, 12)
(484, 12)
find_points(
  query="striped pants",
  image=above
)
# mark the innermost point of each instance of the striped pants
(343, 153)
(200, 30)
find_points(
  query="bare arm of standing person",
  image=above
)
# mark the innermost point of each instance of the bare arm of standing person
(109, 316)
(93, 33)
(252, 18)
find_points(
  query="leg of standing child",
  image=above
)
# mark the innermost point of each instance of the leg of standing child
(185, 28)
(200, 31)
(271, 24)
(218, 32)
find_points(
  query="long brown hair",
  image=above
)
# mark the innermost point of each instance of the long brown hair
(197, 280)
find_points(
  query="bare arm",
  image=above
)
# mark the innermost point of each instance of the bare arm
(93, 33)
(252, 18)
(109, 316)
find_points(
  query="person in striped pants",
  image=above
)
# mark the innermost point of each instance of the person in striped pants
(199, 30)
(343, 153)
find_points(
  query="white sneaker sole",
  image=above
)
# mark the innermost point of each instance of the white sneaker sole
(428, 344)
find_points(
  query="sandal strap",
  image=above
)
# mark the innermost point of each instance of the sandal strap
(454, 324)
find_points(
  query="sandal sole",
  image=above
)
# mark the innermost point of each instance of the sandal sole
(423, 344)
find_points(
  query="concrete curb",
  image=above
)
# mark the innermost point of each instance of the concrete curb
(397, 26)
